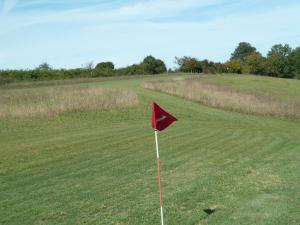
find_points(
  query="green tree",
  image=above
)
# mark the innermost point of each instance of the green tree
(104, 69)
(188, 64)
(256, 63)
(208, 67)
(153, 66)
(242, 51)
(294, 59)
(234, 66)
(44, 67)
(135, 69)
(278, 61)
(43, 71)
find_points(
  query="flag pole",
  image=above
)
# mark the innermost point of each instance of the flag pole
(159, 179)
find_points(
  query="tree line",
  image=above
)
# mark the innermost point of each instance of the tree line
(150, 65)
(280, 61)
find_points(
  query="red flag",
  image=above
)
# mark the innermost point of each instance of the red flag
(160, 118)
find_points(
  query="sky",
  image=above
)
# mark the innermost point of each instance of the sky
(71, 33)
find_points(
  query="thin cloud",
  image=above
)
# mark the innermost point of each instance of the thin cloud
(8, 5)
(127, 32)
(130, 12)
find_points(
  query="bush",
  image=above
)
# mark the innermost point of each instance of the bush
(208, 67)
(256, 64)
(104, 69)
(234, 66)
(294, 59)
(188, 64)
(152, 65)
(278, 61)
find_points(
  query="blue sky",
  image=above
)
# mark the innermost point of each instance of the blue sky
(69, 33)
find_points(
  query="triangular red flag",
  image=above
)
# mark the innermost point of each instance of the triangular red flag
(160, 118)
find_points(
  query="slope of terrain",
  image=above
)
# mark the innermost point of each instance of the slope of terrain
(100, 167)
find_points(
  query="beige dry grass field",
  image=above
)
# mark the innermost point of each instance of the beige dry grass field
(52, 101)
(227, 98)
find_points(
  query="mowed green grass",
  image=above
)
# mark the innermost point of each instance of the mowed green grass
(100, 167)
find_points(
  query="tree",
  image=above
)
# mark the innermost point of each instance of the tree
(135, 69)
(234, 66)
(220, 68)
(294, 59)
(105, 65)
(188, 64)
(242, 51)
(208, 67)
(104, 69)
(89, 66)
(44, 67)
(278, 61)
(153, 66)
(43, 71)
(256, 63)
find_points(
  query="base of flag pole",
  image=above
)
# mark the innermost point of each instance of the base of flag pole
(162, 215)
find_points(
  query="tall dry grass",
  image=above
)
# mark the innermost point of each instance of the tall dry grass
(52, 101)
(227, 98)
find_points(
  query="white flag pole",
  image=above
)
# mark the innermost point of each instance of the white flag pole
(159, 179)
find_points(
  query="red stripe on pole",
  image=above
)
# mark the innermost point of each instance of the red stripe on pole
(159, 182)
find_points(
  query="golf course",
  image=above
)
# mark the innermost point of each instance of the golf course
(89, 157)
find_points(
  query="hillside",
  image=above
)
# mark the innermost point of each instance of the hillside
(239, 93)
(98, 166)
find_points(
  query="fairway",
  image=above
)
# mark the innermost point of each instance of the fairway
(99, 167)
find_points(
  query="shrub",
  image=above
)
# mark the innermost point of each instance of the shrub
(104, 69)
(294, 59)
(256, 64)
(278, 61)
(188, 64)
(234, 66)
(152, 65)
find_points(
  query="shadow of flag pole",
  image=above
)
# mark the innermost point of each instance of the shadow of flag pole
(160, 121)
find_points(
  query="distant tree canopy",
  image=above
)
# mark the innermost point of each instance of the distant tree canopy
(104, 69)
(278, 60)
(188, 64)
(105, 65)
(294, 59)
(193, 65)
(152, 65)
(281, 61)
(149, 65)
(257, 64)
(44, 67)
(209, 67)
(8, 76)
(242, 51)
(234, 66)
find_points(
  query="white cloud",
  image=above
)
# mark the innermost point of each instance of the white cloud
(126, 34)
(135, 12)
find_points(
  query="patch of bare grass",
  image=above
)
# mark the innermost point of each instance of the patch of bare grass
(227, 98)
(52, 101)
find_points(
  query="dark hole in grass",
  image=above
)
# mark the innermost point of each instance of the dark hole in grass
(209, 211)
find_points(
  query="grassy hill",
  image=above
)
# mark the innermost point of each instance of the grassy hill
(247, 94)
(99, 166)
(267, 86)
